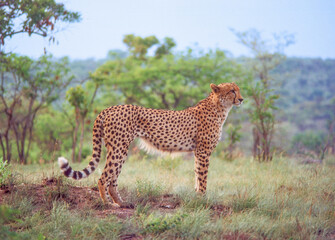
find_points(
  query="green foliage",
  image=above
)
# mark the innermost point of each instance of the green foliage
(142, 210)
(28, 86)
(152, 74)
(158, 224)
(7, 215)
(310, 140)
(76, 96)
(295, 80)
(165, 48)
(82, 101)
(82, 98)
(32, 17)
(36, 80)
(171, 81)
(4, 171)
(138, 46)
(233, 133)
(306, 80)
(116, 54)
(50, 135)
(258, 87)
(86, 152)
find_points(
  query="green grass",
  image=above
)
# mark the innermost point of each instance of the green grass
(277, 200)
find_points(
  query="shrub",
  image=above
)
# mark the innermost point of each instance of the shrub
(309, 140)
(4, 172)
(7, 215)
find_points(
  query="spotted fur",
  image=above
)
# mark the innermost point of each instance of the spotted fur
(196, 129)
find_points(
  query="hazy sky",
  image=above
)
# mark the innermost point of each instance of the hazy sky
(202, 23)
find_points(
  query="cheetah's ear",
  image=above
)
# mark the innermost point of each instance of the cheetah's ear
(215, 88)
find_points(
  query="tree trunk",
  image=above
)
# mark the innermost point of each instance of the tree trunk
(3, 148)
(75, 133)
(8, 149)
(21, 153)
(6, 136)
(27, 123)
(30, 128)
(81, 138)
(256, 146)
(30, 138)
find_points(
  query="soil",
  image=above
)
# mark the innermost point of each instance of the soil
(86, 198)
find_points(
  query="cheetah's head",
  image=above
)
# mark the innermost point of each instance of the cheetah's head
(227, 94)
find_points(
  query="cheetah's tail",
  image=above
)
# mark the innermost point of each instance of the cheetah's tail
(93, 164)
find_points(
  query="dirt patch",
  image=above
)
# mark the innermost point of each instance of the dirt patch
(169, 202)
(130, 237)
(86, 198)
(4, 191)
(76, 198)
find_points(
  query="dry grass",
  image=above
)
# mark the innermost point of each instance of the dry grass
(245, 200)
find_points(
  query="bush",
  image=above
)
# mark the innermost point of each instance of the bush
(86, 152)
(7, 215)
(309, 140)
(4, 172)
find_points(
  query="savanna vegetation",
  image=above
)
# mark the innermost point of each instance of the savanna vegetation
(271, 176)
(281, 199)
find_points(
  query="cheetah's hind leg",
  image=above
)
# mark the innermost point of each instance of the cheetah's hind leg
(116, 161)
(114, 193)
(106, 198)
(102, 191)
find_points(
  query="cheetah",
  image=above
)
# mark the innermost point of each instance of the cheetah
(196, 129)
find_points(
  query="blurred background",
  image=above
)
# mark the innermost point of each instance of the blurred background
(62, 62)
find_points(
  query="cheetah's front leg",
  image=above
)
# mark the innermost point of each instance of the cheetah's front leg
(201, 165)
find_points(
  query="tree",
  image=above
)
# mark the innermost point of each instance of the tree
(166, 80)
(26, 87)
(32, 17)
(259, 87)
(51, 133)
(82, 102)
(165, 48)
(138, 46)
(10, 97)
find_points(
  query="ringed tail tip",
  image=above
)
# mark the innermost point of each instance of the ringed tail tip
(62, 162)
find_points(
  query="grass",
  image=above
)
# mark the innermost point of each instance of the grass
(245, 200)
